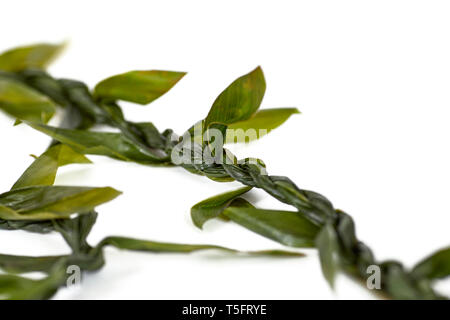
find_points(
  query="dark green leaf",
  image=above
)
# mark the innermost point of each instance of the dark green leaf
(34, 56)
(261, 123)
(52, 202)
(327, 244)
(43, 227)
(42, 171)
(214, 206)
(138, 86)
(239, 101)
(114, 145)
(150, 133)
(25, 103)
(398, 282)
(286, 227)
(436, 266)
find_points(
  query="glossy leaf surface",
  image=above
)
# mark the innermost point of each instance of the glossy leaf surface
(214, 206)
(239, 101)
(286, 227)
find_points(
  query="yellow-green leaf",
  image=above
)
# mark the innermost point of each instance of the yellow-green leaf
(34, 56)
(138, 86)
(52, 202)
(261, 123)
(42, 171)
(25, 103)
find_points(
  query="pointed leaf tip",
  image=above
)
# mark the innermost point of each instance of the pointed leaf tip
(239, 101)
(140, 87)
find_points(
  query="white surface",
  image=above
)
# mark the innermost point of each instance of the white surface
(372, 79)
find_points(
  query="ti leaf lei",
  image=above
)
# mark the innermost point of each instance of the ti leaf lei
(31, 95)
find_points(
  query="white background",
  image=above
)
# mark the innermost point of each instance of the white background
(371, 78)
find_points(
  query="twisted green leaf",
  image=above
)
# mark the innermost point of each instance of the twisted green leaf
(108, 144)
(162, 247)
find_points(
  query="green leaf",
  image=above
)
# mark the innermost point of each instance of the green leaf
(34, 56)
(42, 227)
(327, 244)
(398, 283)
(25, 103)
(52, 202)
(150, 133)
(23, 264)
(113, 145)
(138, 86)
(286, 227)
(436, 266)
(42, 171)
(19, 288)
(164, 247)
(261, 123)
(214, 206)
(239, 101)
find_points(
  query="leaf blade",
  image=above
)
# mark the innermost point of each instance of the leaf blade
(286, 227)
(24, 103)
(326, 243)
(260, 124)
(239, 101)
(140, 87)
(113, 145)
(43, 170)
(26, 57)
(435, 266)
(212, 207)
(125, 243)
(52, 202)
